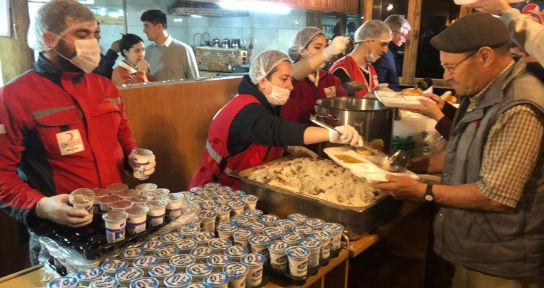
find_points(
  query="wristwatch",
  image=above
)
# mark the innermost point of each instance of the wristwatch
(429, 196)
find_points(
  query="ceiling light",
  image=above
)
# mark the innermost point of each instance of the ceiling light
(389, 7)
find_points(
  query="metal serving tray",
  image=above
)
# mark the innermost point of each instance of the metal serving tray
(356, 220)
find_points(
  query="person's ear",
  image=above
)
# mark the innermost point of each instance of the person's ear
(124, 52)
(487, 55)
(49, 39)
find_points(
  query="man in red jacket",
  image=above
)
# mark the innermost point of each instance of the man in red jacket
(61, 126)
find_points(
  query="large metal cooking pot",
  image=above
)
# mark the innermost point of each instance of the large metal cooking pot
(369, 116)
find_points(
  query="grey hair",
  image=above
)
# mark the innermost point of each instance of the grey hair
(371, 30)
(396, 22)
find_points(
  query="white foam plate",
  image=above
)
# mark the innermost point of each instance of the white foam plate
(366, 168)
(396, 100)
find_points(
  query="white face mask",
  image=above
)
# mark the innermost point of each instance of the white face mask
(278, 95)
(87, 54)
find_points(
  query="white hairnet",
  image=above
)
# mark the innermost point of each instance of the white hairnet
(303, 37)
(264, 63)
(371, 30)
(57, 17)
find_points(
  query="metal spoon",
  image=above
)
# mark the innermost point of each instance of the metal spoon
(397, 162)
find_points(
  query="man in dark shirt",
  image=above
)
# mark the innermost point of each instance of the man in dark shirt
(389, 66)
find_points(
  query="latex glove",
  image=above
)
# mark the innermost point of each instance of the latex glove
(301, 151)
(338, 45)
(143, 65)
(56, 209)
(141, 172)
(349, 136)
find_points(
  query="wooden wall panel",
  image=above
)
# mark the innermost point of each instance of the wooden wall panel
(173, 120)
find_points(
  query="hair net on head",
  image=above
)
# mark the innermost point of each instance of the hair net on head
(303, 37)
(371, 30)
(57, 17)
(264, 63)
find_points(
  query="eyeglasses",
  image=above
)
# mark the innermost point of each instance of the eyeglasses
(451, 67)
(401, 34)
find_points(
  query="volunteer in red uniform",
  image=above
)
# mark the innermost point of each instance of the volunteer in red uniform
(355, 70)
(61, 126)
(248, 131)
(312, 83)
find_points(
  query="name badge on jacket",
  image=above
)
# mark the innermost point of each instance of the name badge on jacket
(330, 91)
(70, 142)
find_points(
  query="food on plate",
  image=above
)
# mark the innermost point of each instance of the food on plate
(377, 144)
(364, 152)
(448, 97)
(411, 92)
(318, 178)
(348, 159)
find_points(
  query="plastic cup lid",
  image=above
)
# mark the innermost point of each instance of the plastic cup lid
(64, 282)
(204, 236)
(152, 245)
(146, 187)
(235, 270)
(312, 222)
(253, 213)
(252, 259)
(303, 229)
(270, 218)
(236, 251)
(183, 260)
(278, 245)
(186, 244)
(297, 217)
(172, 237)
(115, 215)
(292, 237)
(297, 252)
(285, 223)
(241, 220)
(131, 253)
(146, 282)
(112, 265)
(251, 198)
(255, 226)
(104, 282)
(216, 279)
(259, 240)
(156, 204)
(161, 192)
(129, 274)
(311, 243)
(219, 243)
(161, 270)
(199, 269)
(90, 273)
(146, 261)
(223, 210)
(321, 235)
(333, 227)
(166, 252)
(202, 251)
(82, 195)
(178, 279)
(241, 233)
(137, 210)
(140, 198)
(129, 193)
(100, 192)
(121, 205)
(218, 260)
(116, 187)
(108, 199)
(227, 226)
(197, 285)
(237, 204)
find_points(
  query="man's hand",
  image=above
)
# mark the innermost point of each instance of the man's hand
(402, 187)
(496, 7)
(56, 209)
(429, 108)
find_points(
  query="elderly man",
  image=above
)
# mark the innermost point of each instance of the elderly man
(489, 221)
(61, 126)
(355, 70)
(389, 66)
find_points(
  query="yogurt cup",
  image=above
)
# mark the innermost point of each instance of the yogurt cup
(137, 217)
(160, 194)
(202, 253)
(254, 214)
(151, 246)
(217, 262)
(314, 246)
(197, 285)
(251, 201)
(126, 275)
(259, 244)
(208, 205)
(237, 273)
(186, 245)
(146, 188)
(157, 209)
(115, 222)
(235, 252)
(161, 271)
(121, 205)
(297, 257)
(274, 233)
(166, 253)
(304, 230)
(130, 254)
(241, 236)
(128, 194)
(211, 185)
(146, 262)
(219, 245)
(98, 194)
(255, 227)
(223, 213)
(270, 219)
(104, 282)
(217, 280)
(199, 271)
(116, 188)
(286, 224)
(140, 199)
(111, 265)
(292, 238)
(171, 238)
(336, 241)
(254, 263)
(145, 282)
(173, 208)
(325, 238)
(226, 229)
(202, 238)
(298, 218)
(181, 262)
(64, 282)
(177, 280)
(222, 199)
(105, 202)
(238, 194)
(189, 231)
(87, 275)
(278, 258)
(315, 223)
(240, 220)
(237, 207)
(82, 198)
(208, 220)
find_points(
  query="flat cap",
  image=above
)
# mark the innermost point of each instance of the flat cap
(472, 32)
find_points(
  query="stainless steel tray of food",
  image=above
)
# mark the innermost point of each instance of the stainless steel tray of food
(356, 220)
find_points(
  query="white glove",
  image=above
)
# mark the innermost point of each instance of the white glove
(300, 151)
(338, 45)
(56, 209)
(349, 136)
(143, 166)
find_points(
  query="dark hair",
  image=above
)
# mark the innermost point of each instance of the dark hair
(127, 41)
(155, 17)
